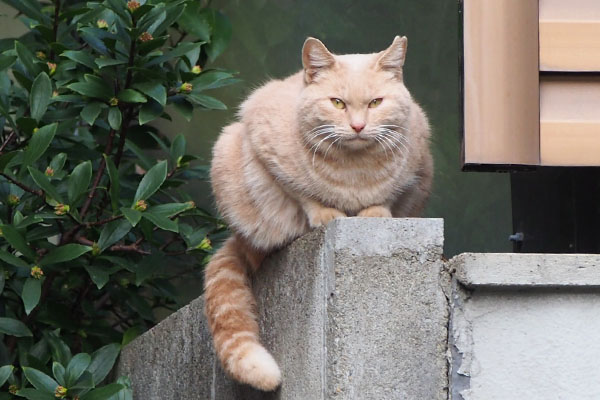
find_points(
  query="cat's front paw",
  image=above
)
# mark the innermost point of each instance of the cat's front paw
(376, 211)
(323, 216)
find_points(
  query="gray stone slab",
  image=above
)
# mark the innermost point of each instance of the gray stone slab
(524, 326)
(352, 311)
(526, 270)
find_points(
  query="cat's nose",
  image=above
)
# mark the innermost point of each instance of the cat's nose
(357, 126)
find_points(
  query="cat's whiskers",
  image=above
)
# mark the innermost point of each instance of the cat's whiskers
(339, 138)
(382, 146)
(316, 147)
(393, 138)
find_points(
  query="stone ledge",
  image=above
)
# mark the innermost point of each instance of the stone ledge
(503, 270)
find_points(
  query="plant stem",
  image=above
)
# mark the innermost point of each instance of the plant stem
(22, 186)
(107, 151)
(7, 141)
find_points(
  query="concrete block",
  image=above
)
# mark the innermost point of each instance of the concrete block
(525, 326)
(356, 310)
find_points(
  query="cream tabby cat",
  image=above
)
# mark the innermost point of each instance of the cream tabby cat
(341, 138)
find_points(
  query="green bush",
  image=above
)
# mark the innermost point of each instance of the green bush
(95, 221)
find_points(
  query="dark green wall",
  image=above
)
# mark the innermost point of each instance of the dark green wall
(267, 38)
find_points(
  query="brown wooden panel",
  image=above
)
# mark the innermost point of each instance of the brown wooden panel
(501, 82)
(570, 121)
(569, 35)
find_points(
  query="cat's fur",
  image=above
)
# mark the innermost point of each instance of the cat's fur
(293, 162)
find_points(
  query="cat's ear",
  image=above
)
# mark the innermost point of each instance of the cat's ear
(315, 58)
(393, 57)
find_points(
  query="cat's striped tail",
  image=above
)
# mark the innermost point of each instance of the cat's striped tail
(230, 309)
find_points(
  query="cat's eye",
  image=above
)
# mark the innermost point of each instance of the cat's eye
(338, 103)
(375, 102)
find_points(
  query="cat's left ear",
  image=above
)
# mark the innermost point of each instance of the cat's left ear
(393, 57)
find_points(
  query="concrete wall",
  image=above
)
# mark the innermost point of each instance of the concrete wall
(353, 311)
(525, 327)
(360, 310)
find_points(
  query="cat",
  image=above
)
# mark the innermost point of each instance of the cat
(342, 137)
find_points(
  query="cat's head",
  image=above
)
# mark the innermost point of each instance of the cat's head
(355, 98)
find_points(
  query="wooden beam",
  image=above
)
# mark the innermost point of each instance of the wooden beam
(501, 82)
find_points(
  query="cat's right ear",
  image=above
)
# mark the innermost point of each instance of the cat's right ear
(315, 58)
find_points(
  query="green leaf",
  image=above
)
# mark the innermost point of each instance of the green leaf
(98, 275)
(82, 57)
(221, 36)
(179, 51)
(13, 260)
(113, 232)
(196, 21)
(151, 182)
(5, 373)
(59, 373)
(150, 111)
(79, 181)
(103, 361)
(2, 281)
(60, 351)
(108, 62)
(206, 101)
(93, 87)
(40, 380)
(133, 216)
(131, 96)
(78, 364)
(6, 61)
(38, 144)
(177, 148)
(130, 335)
(34, 394)
(104, 392)
(184, 108)
(154, 90)
(115, 118)
(39, 98)
(32, 290)
(161, 221)
(5, 159)
(64, 253)
(171, 209)
(115, 188)
(27, 59)
(42, 181)
(31, 8)
(13, 327)
(17, 241)
(91, 111)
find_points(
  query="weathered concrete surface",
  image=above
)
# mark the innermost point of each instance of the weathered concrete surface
(525, 326)
(527, 270)
(353, 311)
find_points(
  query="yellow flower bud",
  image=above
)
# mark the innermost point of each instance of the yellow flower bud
(49, 171)
(61, 209)
(133, 5)
(146, 37)
(13, 389)
(95, 249)
(40, 55)
(51, 67)
(36, 272)
(186, 87)
(12, 200)
(60, 392)
(197, 69)
(205, 244)
(102, 24)
(140, 205)
(113, 102)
